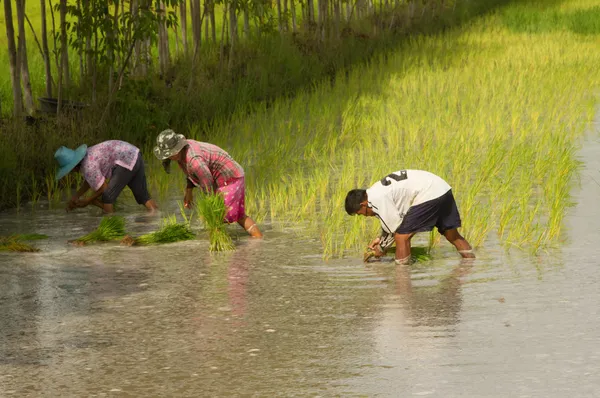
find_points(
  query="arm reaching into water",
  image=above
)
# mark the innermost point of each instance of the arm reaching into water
(85, 202)
(80, 192)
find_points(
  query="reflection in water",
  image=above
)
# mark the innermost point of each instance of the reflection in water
(435, 305)
(35, 300)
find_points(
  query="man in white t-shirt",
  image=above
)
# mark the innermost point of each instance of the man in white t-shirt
(407, 202)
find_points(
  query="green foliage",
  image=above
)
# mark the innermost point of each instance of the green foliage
(170, 231)
(110, 228)
(211, 210)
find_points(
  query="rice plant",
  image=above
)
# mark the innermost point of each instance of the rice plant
(14, 243)
(211, 210)
(170, 231)
(110, 228)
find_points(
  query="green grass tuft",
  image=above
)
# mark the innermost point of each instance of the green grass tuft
(211, 209)
(110, 228)
(170, 231)
(14, 243)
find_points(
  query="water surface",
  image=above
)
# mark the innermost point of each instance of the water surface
(273, 319)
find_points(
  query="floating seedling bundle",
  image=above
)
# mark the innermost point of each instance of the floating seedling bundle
(211, 209)
(170, 231)
(110, 228)
(15, 243)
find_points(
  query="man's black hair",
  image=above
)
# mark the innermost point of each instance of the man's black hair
(353, 200)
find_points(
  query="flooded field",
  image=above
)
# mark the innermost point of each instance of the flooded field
(273, 319)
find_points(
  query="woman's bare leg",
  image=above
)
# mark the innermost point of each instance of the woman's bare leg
(250, 226)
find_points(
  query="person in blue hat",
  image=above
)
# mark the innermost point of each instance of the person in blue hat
(106, 169)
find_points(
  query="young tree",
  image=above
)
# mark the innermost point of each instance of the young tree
(64, 44)
(15, 69)
(22, 51)
(45, 49)
(183, 23)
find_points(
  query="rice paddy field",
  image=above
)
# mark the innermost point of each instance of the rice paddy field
(497, 109)
(504, 108)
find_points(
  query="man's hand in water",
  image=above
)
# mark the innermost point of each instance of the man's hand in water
(376, 247)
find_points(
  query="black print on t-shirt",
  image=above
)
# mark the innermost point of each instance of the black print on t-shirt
(393, 176)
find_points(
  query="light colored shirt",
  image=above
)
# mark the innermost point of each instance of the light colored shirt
(98, 163)
(207, 166)
(392, 196)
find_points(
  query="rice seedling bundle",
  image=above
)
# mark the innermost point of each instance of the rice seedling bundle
(170, 231)
(14, 243)
(211, 209)
(110, 228)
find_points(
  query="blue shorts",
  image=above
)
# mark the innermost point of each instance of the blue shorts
(440, 212)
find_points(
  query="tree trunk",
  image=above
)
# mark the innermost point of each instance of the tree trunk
(46, 52)
(64, 44)
(246, 21)
(213, 22)
(279, 17)
(310, 12)
(233, 26)
(293, 8)
(233, 31)
(137, 59)
(15, 70)
(176, 32)
(22, 50)
(348, 11)
(338, 18)
(80, 49)
(183, 19)
(222, 45)
(94, 57)
(111, 45)
(89, 58)
(163, 40)
(286, 25)
(195, 10)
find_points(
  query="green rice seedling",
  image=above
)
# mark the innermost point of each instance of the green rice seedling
(31, 236)
(110, 228)
(16, 246)
(14, 243)
(170, 231)
(211, 209)
(36, 191)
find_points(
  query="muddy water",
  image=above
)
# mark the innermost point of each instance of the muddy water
(273, 319)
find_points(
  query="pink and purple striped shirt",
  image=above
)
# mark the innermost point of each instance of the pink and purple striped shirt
(98, 163)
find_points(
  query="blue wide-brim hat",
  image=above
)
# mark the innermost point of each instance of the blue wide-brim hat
(67, 159)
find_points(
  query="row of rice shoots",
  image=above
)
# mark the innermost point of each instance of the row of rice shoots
(110, 228)
(170, 231)
(211, 209)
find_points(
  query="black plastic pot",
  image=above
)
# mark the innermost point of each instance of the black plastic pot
(49, 105)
